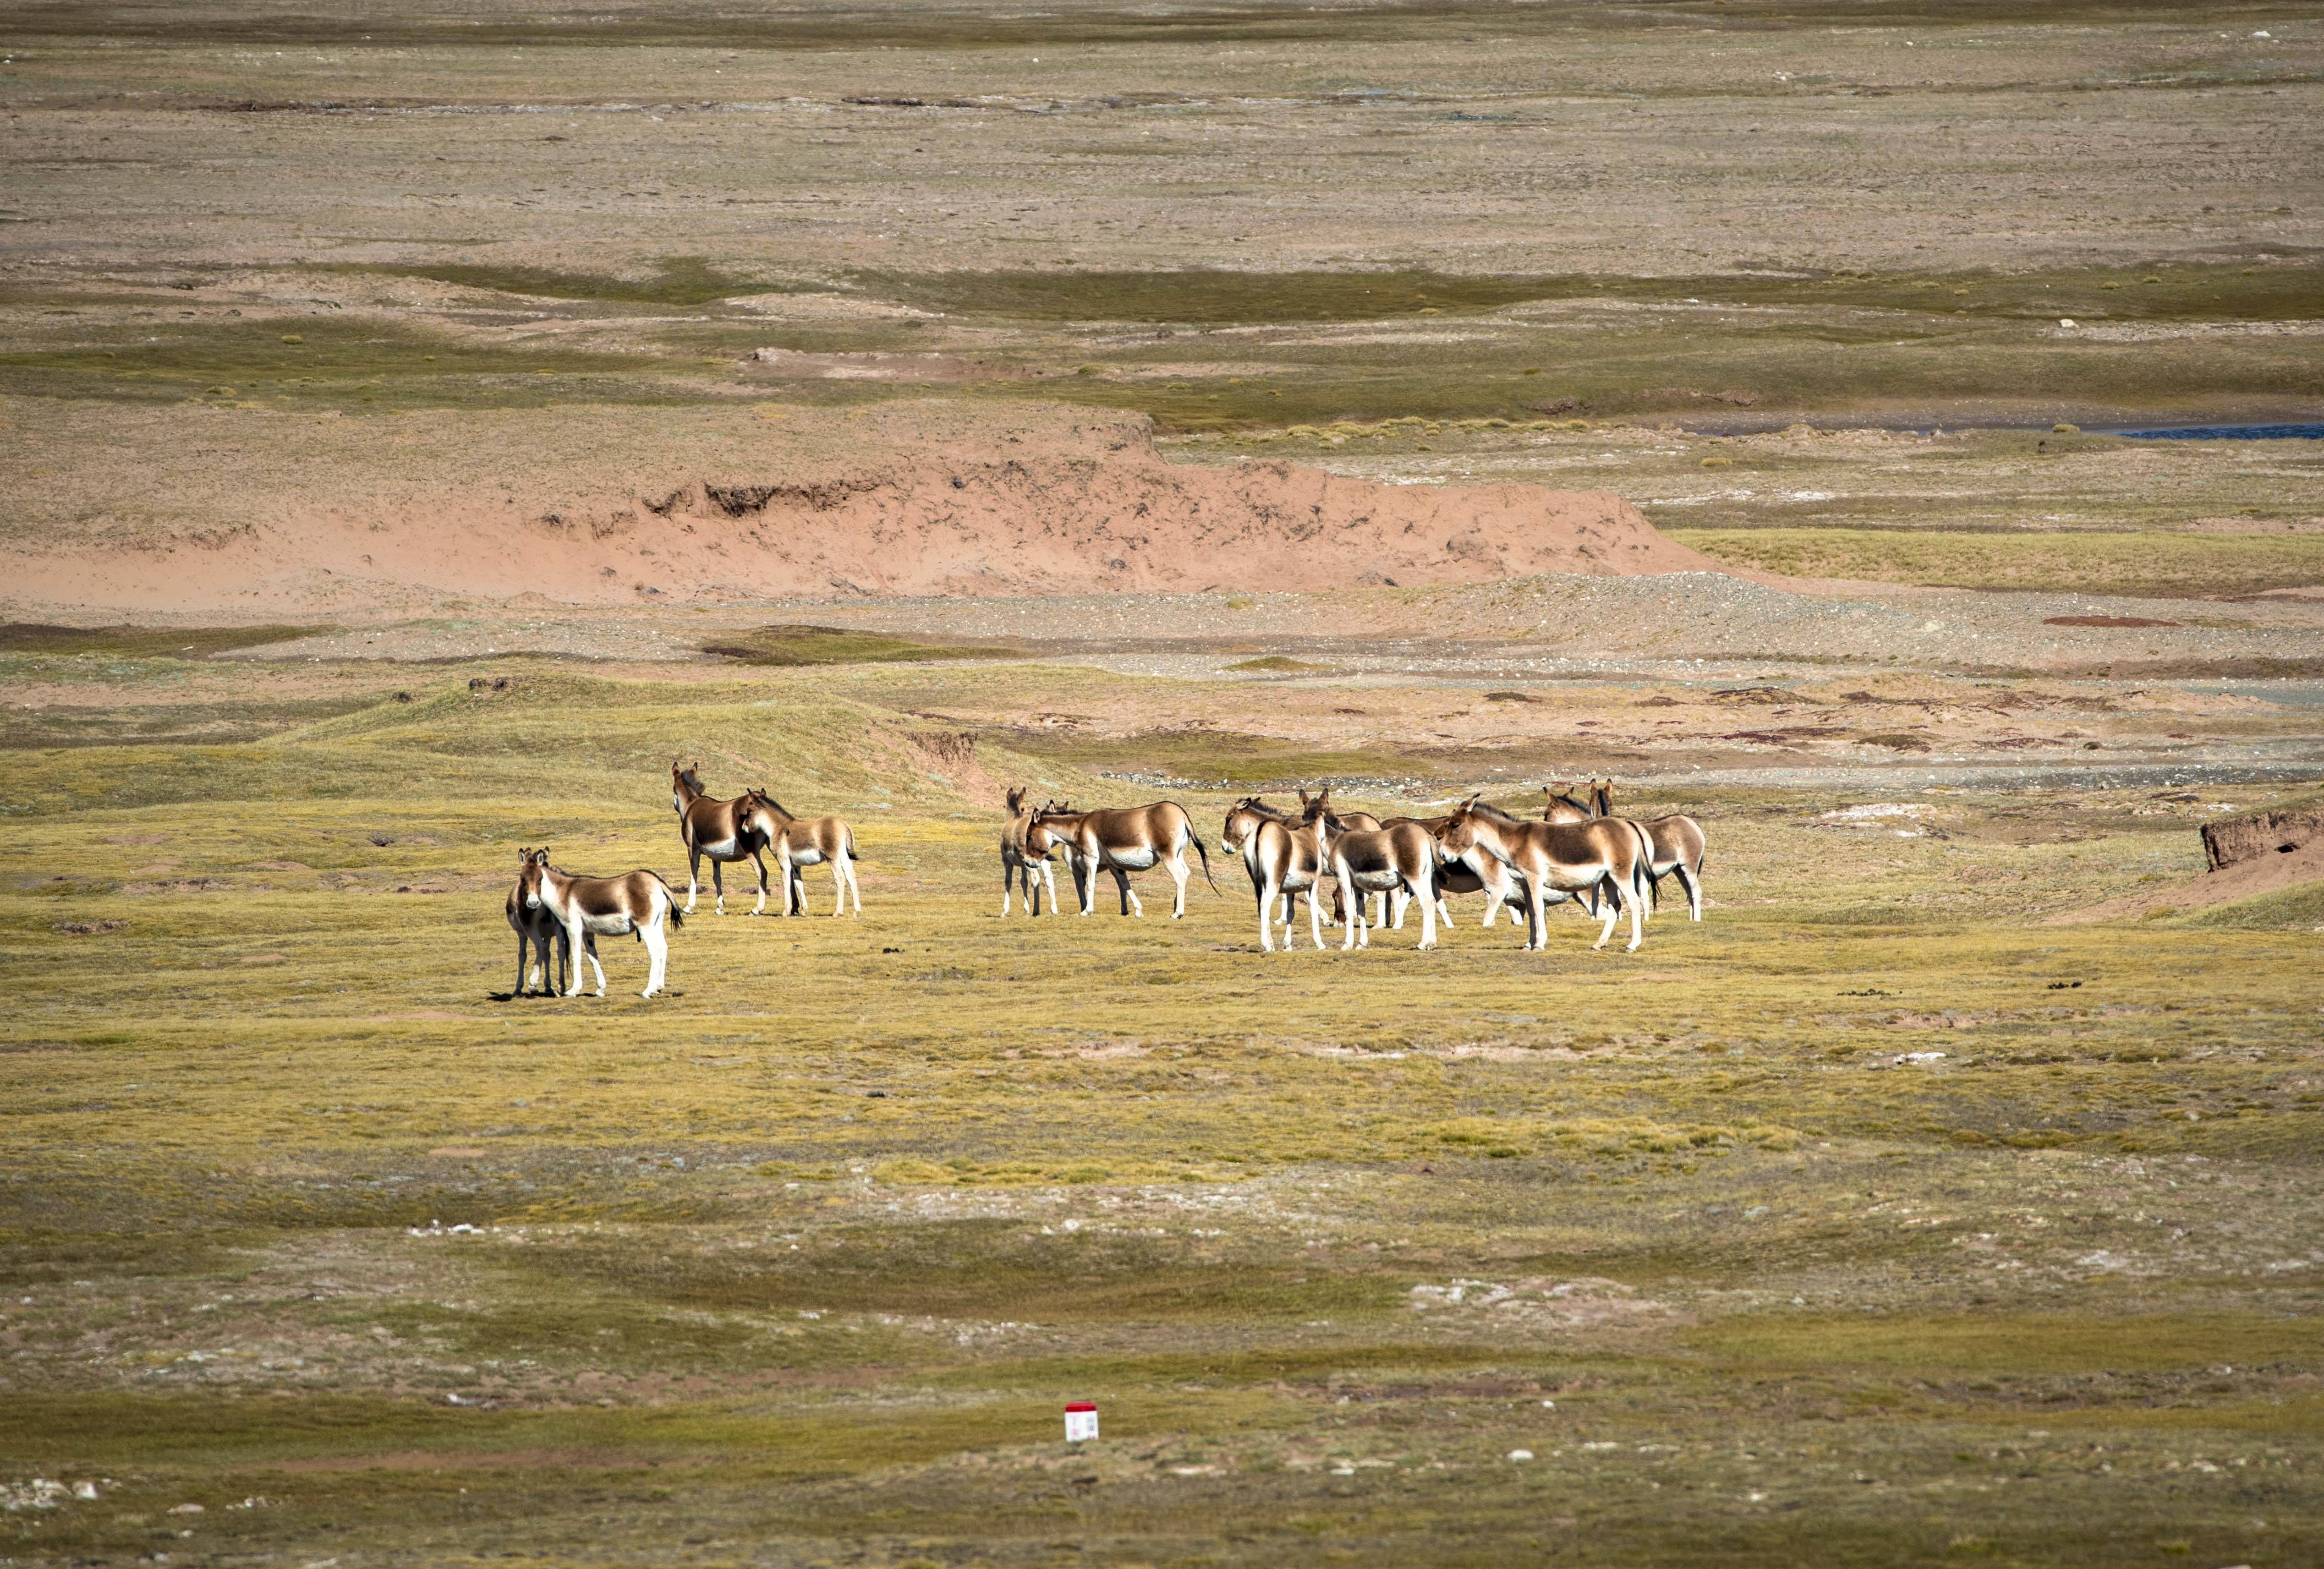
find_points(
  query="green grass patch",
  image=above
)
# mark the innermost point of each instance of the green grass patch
(1282, 662)
(127, 642)
(2295, 908)
(676, 281)
(798, 644)
(2157, 563)
(2034, 1343)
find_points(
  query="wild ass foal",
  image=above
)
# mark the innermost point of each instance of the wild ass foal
(805, 841)
(1126, 839)
(1566, 858)
(1282, 859)
(1025, 854)
(637, 904)
(536, 930)
(716, 829)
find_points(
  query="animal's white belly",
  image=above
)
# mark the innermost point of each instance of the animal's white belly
(607, 925)
(807, 857)
(1375, 881)
(724, 850)
(1132, 860)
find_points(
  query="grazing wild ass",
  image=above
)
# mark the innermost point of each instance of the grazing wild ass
(1126, 839)
(536, 930)
(1399, 856)
(716, 829)
(1568, 858)
(805, 841)
(1025, 854)
(1282, 859)
(637, 904)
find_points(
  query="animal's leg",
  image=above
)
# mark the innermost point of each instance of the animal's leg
(564, 958)
(1178, 875)
(1267, 897)
(759, 861)
(1314, 922)
(1637, 934)
(573, 934)
(1613, 908)
(718, 883)
(1427, 896)
(1694, 886)
(656, 943)
(519, 965)
(854, 888)
(589, 951)
(693, 876)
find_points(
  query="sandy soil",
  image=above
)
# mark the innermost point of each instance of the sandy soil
(1044, 502)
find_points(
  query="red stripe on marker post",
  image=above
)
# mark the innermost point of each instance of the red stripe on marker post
(1081, 1422)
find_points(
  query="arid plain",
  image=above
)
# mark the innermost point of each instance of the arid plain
(427, 423)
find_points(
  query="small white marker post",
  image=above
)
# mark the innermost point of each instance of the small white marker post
(1081, 1422)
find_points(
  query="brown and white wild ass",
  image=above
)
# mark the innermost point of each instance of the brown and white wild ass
(1567, 859)
(637, 904)
(716, 829)
(1396, 858)
(1020, 861)
(1283, 858)
(1126, 839)
(805, 841)
(1474, 872)
(537, 930)
(1674, 846)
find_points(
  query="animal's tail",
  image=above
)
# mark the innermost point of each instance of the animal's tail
(1205, 855)
(677, 915)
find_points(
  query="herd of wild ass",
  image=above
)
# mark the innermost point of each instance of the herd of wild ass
(1579, 851)
(1377, 868)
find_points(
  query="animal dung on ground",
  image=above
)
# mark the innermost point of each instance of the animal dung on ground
(1081, 1422)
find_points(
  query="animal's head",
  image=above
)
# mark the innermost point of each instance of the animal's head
(685, 783)
(530, 878)
(1315, 807)
(1243, 819)
(1459, 833)
(1601, 798)
(1017, 794)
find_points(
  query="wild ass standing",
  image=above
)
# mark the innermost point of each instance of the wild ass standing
(1282, 860)
(635, 903)
(805, 841)
(1472, 872)
(716, 829)
(536, 930)
(1025, 855)
(1674, 846)
(1126, 839)
(1399, 857)
(1560, 858)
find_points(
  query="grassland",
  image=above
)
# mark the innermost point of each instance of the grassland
(798, 1264)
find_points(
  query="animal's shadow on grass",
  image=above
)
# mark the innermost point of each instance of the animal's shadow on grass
(561, 997)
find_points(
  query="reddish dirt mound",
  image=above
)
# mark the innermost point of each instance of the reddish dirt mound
(1043, 507)
(2267, 874)
(2259, 836)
